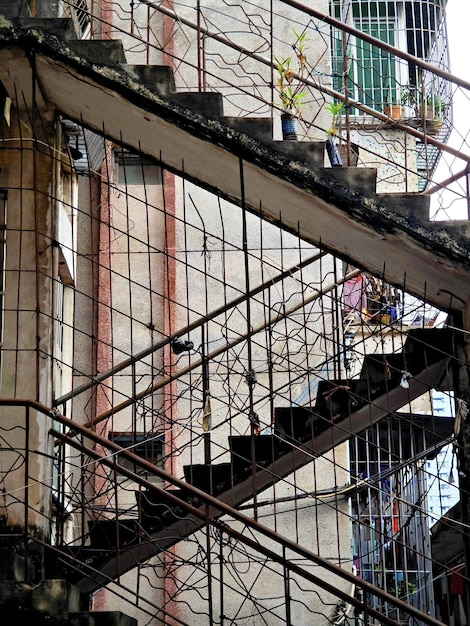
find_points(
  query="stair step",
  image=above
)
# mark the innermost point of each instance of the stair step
(158, 511)
(14, 567)
(431, 344)
(62, 27)
(158, 77)
(209, 103)
(258, 127)
(267, 448)
(363, 180)
(309, 152)
(101, 618)
(382, 371)
(337, 398)
(455, 229)
(213, 479)
(413, 206)
(297, 422)
(100, 51)
(403, 436)
(54, 598)
(16, 8)
(107, 534)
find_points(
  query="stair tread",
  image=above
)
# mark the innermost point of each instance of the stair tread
(108, 533)
(100, 51)
(212, 478)
(266, 448)
(100, 618)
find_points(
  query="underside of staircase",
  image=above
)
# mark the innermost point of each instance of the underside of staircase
(284, 182)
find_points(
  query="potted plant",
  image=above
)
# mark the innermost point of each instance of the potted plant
(335, 109)
(408, 101)
(393, 104)
(339, 153)
(289, 85)
(432, 110)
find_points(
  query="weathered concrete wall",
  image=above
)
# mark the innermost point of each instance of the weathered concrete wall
(28, 334)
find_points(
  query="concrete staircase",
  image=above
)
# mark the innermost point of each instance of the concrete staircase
(287, 181)
(343, 408)
(90, 82)
(53, 602)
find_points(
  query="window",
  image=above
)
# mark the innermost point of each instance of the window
(375, 76)
(80, 14)
(149, 446)
(133, 169)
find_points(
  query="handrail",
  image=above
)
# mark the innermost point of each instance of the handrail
(160, 7)
(215, 507)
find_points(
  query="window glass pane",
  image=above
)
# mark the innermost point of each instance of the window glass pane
(149, 446)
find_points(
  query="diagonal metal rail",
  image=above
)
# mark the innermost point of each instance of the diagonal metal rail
(212, 509)
(226, 503)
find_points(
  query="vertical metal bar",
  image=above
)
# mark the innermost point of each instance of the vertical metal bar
(250, 379)
(26, 480)
(287, 590)
(205, 398)
(210, 598)
(199, 44)
(221, 577)
(3, 232)
(467, 184)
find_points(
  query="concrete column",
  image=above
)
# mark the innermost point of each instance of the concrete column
(27, 350)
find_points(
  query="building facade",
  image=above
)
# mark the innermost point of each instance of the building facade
(171, 309)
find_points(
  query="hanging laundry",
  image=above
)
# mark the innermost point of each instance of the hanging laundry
(355, 292)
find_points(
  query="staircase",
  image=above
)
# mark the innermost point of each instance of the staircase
(89, 81)
(343, 408)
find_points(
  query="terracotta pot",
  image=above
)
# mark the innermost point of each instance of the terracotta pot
(395, 111)
(430, 120)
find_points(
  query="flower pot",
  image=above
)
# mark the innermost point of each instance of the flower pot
(430, 120)
(289, 127)
(395, 111)
(426, 112)
(333, 154)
